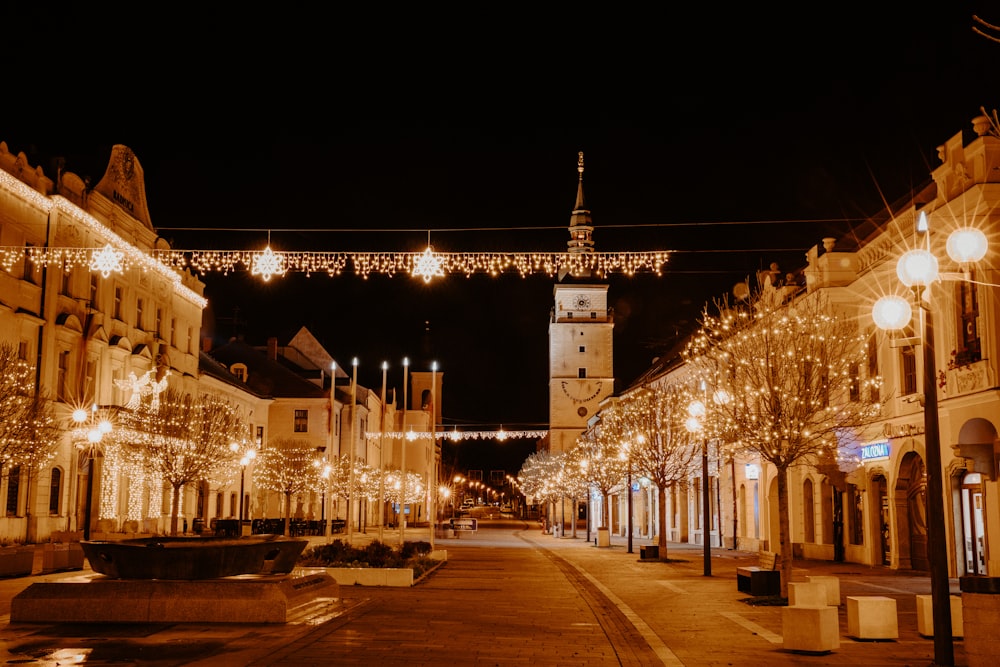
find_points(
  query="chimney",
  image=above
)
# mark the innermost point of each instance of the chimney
(272, 348)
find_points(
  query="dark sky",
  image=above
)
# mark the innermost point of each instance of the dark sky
(735, 137)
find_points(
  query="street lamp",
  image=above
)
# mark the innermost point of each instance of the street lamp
(248, 455)
(402, 457)
(90, 429)
(352, 444)
(918, 270)
(698, 412)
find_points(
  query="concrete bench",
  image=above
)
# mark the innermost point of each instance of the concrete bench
(651, 552)
(925, 616)
(762, 579)
(872, 617)
(810, 629)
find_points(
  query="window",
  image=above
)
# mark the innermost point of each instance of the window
(13, 489)
(117, 312)
(855, 498)
(29, 267)
(873, 373)
(22, 350)
(232, 504)
(62, 375)
(260, 437)
(55, 490)
(854, 391)
(67, 275)
(581, 372)
(240, 371)
(93, 290)
(301, 421)
(218, 504)
(88, 381)
(140, 304)
(583, 348)
(969, 347)
(908, 367)
(158, 325)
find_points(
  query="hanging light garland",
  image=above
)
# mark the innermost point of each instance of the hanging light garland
(268, 263)
(457, 435)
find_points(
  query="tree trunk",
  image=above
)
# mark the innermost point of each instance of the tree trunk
(288, 513)
(175, 507)
(784, 539)
(661, 511)
(606, 514)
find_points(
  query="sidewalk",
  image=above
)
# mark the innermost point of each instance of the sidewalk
(511, 595)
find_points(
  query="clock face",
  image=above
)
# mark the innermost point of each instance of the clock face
(581, 302)
(581, 392)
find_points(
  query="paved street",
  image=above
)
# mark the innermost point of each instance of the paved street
(508, 595)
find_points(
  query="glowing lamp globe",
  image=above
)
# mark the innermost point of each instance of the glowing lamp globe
(891, 313)
(917, 267)
(967, 245)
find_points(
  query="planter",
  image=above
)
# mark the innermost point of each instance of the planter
(372, 576)
(16, 561)
(58, 557)
(603, 537)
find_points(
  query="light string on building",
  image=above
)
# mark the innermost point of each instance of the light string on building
(268, 263)
(457, 435)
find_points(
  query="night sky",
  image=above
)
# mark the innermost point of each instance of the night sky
(737, 138)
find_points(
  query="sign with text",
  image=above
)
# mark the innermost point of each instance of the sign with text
(875, 451)
(465, 523)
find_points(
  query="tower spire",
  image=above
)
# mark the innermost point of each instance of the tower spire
(580, 225)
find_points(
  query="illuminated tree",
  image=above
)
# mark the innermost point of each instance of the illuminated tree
(598, 452)
(791, 375)
(286, 467)
(537, 477)
(29, 432)
(181, 440)
(661, 448)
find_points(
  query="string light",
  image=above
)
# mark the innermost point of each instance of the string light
(458, 435)
(268, 262)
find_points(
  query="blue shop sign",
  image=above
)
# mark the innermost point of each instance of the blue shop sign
(875, 451)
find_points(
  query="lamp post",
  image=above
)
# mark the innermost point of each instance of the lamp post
(402, 457)
(432, 487)
(92, 429)
(351, 444)
(381, 445)
(248, 455)
(698, 412)
(918, 269)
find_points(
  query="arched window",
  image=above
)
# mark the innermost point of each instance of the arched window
(218, 505)
(55, 490)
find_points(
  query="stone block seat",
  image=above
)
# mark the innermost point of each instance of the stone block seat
(810, 629)
(925, 616)
(872, 617)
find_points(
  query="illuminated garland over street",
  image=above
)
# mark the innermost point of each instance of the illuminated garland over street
(267, 263)
(457, 435)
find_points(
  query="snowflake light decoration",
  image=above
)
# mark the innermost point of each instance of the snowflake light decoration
(266, 264)
(428, 265)
(107, 261)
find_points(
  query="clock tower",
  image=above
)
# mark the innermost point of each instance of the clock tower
(581, 372)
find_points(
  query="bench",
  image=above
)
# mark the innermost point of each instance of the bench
(762, 579)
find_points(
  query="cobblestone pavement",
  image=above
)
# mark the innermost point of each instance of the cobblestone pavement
(508, 595)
